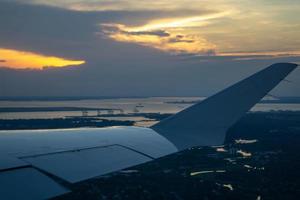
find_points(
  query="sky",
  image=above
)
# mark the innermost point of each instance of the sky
(143, 48)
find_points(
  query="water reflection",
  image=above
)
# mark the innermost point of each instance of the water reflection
(206, 172)
(243, 141)
(229, 186)
(127, 105)
(221, 149)
(244, 153)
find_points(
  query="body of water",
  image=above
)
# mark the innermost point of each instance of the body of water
(125, 106)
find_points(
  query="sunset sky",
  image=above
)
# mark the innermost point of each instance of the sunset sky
(140, 48)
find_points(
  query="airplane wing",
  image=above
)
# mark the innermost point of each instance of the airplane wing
(40, 164)
(35, 164)
(205, 123)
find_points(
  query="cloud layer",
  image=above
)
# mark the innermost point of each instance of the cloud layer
(157, 50)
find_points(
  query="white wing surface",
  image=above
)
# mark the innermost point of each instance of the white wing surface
(32, 160)
(206, 123)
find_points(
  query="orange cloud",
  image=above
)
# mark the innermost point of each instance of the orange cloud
(168, 40)
(172, 35)
(27, 60)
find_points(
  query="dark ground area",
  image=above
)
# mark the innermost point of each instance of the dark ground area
(71, 122)
(265, 164)
(75, 122)
(260, 160)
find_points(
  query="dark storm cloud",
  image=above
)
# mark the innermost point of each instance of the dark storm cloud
(160, 33)
(180, 38)
(113, 29)
(61, 32)
(2, 61)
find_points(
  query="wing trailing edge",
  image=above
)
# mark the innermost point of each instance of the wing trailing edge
(206, 123)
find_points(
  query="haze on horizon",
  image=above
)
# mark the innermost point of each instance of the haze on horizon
(142, 48)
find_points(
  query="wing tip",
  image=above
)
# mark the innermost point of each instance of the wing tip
(203, 125)
(286, 64)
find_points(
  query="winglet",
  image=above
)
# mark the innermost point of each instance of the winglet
(206, 123)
